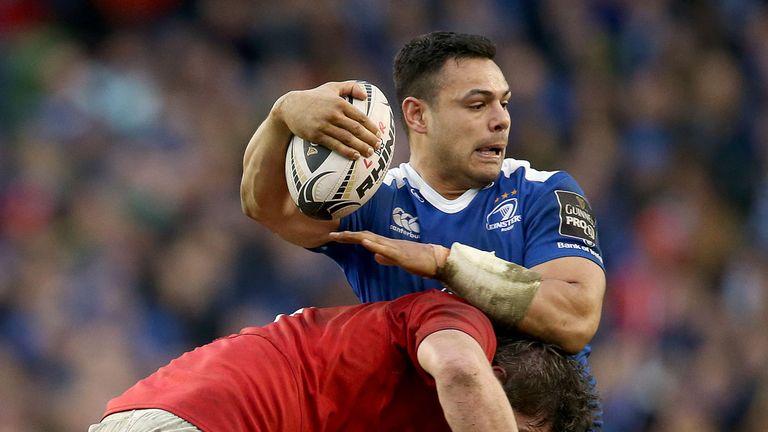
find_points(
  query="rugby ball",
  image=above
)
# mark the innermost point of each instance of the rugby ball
(326, 185)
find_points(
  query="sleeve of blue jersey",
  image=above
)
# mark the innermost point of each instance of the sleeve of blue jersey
(560, 223)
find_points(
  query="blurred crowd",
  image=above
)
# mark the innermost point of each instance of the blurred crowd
(122, 128)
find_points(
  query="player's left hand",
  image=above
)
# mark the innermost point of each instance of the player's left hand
(421, 259)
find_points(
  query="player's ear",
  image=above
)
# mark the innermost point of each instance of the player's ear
(500, 373)
(414, 112)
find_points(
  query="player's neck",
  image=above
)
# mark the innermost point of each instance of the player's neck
(446, 187)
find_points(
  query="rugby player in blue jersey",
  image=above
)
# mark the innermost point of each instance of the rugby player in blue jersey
(459, 213)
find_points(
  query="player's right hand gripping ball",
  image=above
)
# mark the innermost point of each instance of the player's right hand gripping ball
(326, 185)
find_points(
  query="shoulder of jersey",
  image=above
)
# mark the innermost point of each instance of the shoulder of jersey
(395, 177)
(512, 166)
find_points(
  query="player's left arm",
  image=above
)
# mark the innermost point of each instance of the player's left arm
(558, 301)
(566, 309)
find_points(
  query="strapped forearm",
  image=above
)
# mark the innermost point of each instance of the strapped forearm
(501, 289)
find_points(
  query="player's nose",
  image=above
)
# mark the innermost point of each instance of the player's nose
(500, 120)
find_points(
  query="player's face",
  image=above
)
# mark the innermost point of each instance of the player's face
(470, 122)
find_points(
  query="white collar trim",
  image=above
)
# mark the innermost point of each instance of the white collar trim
(441, 203)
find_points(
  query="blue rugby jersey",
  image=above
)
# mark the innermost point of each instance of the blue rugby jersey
(526, 216)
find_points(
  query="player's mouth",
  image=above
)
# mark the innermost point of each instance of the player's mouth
(491, 152)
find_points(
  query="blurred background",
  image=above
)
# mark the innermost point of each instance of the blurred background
(122, 129)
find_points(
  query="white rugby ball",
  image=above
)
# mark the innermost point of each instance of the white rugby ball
(326, 185)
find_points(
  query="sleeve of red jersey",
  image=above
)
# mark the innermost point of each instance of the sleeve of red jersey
(433, 311)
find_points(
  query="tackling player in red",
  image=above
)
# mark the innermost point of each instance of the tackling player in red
(424, 362)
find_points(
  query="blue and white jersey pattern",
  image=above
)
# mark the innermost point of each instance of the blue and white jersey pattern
(526, 216)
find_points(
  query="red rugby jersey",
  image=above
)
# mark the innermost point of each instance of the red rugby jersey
(351, 368)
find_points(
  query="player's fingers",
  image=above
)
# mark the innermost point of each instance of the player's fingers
(358, 236)
(358, 130)
(386, 250)
(349, 132)
(348, 237)
(347, 138)
(372, 242)
(368, 124)
(343, 89)
(354, 89)
(352, 236)
(333, 144)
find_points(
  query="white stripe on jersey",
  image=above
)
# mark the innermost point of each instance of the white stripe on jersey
(406, 172)
(395, 174)
(511, 165)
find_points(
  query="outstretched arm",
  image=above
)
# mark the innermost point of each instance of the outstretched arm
(470, 394)
(321, 116)
(564, 311)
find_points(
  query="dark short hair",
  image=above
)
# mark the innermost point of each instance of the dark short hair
(546, 384)
(417, 63)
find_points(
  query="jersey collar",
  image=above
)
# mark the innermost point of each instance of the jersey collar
(438, 201)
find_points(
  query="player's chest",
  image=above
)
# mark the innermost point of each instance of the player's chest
(491, 221)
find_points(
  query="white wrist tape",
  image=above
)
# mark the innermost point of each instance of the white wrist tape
(501, 289)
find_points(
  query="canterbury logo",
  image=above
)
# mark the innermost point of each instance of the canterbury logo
(405, 223)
